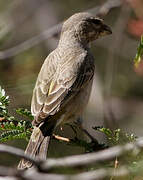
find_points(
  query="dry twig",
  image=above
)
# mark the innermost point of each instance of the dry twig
(35, 175)
(76, 160)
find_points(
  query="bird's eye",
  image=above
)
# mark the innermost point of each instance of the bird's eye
(95, 21)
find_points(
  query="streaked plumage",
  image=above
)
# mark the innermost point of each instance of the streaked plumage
(64, 83)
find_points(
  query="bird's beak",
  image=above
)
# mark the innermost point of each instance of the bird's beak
(106, 30)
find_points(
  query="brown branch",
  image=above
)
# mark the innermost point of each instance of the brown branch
(76, 160)
(100, 11)
(72, 161)
(91, 175)
(30, 42)
(107, 6)
(90, 158)
(33, 174)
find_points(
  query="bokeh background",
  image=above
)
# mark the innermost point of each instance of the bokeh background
(26, 38)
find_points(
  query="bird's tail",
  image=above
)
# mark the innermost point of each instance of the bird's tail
(37, 147)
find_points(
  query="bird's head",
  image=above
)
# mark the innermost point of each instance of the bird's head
(85, 27)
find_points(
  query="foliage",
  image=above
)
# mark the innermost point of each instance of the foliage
(24, 112)
(139, 54)
(10, 127)
(116, 136)
(4, 102)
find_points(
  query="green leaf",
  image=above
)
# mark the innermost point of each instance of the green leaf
(14, 134)
(116, 136)
(139, 54)
(24, 112)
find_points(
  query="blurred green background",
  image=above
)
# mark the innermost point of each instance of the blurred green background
(117, 95)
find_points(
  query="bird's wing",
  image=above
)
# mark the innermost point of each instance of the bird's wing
(70, 76)
(43, 83)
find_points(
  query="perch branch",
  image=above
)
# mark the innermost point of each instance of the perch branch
(33, 174)
(90, 158)
(76, 160)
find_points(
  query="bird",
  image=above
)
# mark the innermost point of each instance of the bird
(64, 82)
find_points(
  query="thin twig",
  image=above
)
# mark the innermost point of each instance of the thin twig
(30, 42)
(107, 6)
(61, 138)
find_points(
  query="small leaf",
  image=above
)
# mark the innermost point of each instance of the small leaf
(25, 112)
(139, 54)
